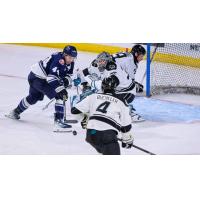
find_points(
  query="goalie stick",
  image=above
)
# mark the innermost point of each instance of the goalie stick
(70, 121)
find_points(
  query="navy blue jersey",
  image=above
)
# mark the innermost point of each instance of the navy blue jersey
(53, 69)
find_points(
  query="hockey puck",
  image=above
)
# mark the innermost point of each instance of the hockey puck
(74, 133)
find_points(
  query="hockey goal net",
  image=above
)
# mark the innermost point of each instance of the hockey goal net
(174, 68)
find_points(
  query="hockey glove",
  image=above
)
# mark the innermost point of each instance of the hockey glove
(63, 95)
(127, 140)
(139, 87)
(84, 122)
(67, 81)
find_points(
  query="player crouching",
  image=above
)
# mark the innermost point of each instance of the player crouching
(108, 116)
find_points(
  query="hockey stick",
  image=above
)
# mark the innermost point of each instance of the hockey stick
(69, 121)
(144, 150)
(141, 149)
(152, 57)
(77, 90)
(64, 106)
(74, 132)
(47, 105)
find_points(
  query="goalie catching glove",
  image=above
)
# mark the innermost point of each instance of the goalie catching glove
(127, 140)
(139, 87)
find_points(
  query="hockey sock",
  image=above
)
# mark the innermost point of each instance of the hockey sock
(23, 105)
(59, 110)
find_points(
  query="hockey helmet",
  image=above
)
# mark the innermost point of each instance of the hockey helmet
(139, 49)
(70, 51)
(109, 84)
(102, 60)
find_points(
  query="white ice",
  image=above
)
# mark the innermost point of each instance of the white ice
(33, 133)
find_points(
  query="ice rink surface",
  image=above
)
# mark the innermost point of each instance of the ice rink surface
(172, 126)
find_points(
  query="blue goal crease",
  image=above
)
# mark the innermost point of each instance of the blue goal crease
(164, 111)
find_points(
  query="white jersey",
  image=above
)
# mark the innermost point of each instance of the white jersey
(106, 112)
(94, 77)
(126, 84)
(38, 70)
(126, 62)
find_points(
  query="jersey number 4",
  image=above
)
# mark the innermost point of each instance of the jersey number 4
(103, 107)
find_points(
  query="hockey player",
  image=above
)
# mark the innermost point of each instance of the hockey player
(108, 116)
(50, 77)
(104, 66)
(129, 63)
(90, 79)
(126, 61)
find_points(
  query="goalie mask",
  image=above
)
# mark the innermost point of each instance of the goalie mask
(102, 60)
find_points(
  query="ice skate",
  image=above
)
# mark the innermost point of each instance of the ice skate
(61, 126)
(134, 116)
(14, 114)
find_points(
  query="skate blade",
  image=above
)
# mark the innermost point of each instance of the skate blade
(8, 116)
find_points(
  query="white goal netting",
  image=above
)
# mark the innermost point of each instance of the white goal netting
(175, 68)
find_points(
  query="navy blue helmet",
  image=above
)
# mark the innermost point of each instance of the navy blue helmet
(70, 51)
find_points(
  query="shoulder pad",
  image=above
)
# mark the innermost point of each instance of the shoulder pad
(111, 66)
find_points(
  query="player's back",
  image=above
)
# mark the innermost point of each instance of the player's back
(127, 63)
(105, 112)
